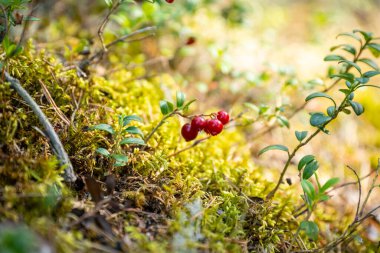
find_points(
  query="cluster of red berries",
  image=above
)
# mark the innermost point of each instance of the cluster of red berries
(212, 126)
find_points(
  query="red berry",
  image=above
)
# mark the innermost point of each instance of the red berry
(214, 127)
(190, 41)
(188, 132)
(198, 123)
(169, 1)
(223, 117)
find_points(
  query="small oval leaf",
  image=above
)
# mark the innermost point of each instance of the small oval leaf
(274, 147)
(305, 160)
(180, 98)
(301, 135)
(103, 151)
(103, 127)
(310, 169)
(132, 141)
(311, 229)
(319, 119)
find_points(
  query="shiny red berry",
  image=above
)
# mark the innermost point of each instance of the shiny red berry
(214, 127)
(223, 117)
(169, 1)
(198, 123)
(188, 132)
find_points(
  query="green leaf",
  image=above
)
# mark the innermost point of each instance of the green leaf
(324, 197)
(362, 79)
(311, 229)
(103, 127)
(345, 47)
(130, 118)
(367, 35)
(301, 135)
(346, 76)
(374, 48)
(119, 164)
(166, 107)
(274, 147)
(349, 35)
(134, 130)
(283, 121)
(103, 151)
(30, 18)
(310, 169)
(334, 57)
(130, 140)
(187, 105)
(370, 63)
(358, 108)
(319, 119)
(370, 74)
(180, 98)
(305, 160)
(108, 2)
(331, 182)
(352, 64)
(309, 190)
(319, 95)
(120, 158)
(331, 111)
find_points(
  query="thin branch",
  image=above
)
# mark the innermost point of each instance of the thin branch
(373, 185)
(195, 143)
(58, 149)
(300, 108)
(360, 192)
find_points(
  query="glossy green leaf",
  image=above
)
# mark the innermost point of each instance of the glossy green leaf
(274, 147)
(319, 95)
(180, 98)
(370, 63)
(346, 47)
(367, 35)
(310, 169)
(132, 141)
(308, 188)
(166, 107)
(134, 130)
(311, 229)
(187, 105)
(331, 182)
(331, 111)
(108, 2)
(374, 48)
(300, 135)
(334, 57)
(103, 127)
(119, 164)
(103, 151)
(305, 160)
(358, 108)
(352, 64)
(120, 158)
(370, 74)
(319, 119)
(346, 76)
(362, 79)
(128, 119)
(354, 36)
(283, 121)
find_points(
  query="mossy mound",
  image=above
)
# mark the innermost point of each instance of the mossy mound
(206, 199)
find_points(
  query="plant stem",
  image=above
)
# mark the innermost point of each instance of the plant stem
(159, 125)
(291, 156)
(297, 232)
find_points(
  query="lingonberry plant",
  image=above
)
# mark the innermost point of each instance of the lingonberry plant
(308, 165)
(121, 135)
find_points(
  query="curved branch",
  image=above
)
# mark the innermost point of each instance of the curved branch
(58, 149)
